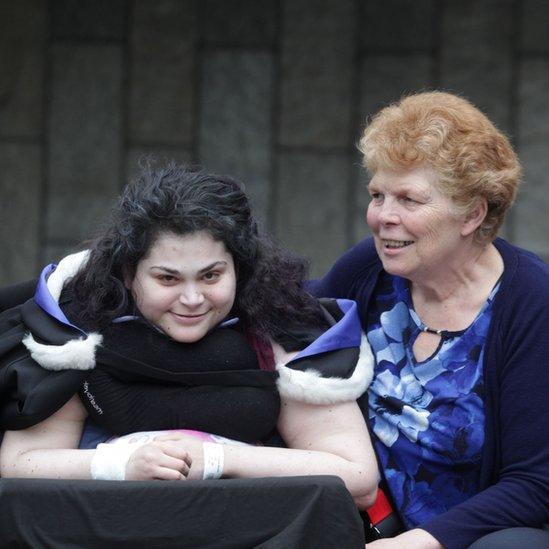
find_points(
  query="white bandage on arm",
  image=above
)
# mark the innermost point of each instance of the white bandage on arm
(109, 460)
(214, 458)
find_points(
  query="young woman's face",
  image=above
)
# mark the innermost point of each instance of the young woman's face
(185, 285)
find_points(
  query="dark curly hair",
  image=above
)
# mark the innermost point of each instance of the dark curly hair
(180, 200)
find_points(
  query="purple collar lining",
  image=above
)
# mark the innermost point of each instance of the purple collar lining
(346, 333)
(126, 318)
(45, 301)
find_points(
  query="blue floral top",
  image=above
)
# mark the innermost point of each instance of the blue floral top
(427, 417)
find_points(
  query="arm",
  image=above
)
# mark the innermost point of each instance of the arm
(49, 450)
(322, 440)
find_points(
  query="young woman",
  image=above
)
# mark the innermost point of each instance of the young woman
(175, 319)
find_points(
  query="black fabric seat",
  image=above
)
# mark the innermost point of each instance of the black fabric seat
(297, 512)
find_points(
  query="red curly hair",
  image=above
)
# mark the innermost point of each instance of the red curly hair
(471, 157)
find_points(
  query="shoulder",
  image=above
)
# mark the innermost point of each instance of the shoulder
(336, 367)
(526, 275)
(521, 312)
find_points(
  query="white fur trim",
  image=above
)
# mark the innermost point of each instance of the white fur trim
(76, 354)
(309, 386)
(65, 270)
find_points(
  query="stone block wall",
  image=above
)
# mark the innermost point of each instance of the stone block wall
(274, 92)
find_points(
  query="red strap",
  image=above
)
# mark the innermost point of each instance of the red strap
(264, 351)
(381, 509)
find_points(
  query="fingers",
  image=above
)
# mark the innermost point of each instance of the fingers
(168, 462)
(155, 471)
(191, 445)
(163, 473)
(161, 460)
(176, 451)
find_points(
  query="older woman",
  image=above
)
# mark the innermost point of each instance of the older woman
(459, 324)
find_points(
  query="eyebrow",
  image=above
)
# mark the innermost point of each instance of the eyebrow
(214, 264)
(405, 189)
(176, 272)
(423, 193)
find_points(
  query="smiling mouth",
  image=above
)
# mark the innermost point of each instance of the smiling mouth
(189, 316)
(393, 244)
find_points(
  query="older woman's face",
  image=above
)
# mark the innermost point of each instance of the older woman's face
(185, 285)
(415, 228)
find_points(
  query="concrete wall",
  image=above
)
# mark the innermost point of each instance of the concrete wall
(274, 92)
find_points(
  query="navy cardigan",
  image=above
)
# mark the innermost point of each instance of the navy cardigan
(514, 476)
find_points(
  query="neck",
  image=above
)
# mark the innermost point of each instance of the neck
(470, 275)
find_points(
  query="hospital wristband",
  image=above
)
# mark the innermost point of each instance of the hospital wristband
(214, 458)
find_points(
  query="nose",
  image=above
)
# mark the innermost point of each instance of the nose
(191, 296)
(388, 212)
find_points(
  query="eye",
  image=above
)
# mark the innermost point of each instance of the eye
(211, 276)
(166, 279)
(409, 200)
(376, 196)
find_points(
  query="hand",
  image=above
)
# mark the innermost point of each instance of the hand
(413, 539)
(159, 460)
(194, 448)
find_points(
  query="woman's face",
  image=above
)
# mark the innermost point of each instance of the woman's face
(185, 285)
(416, 230)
